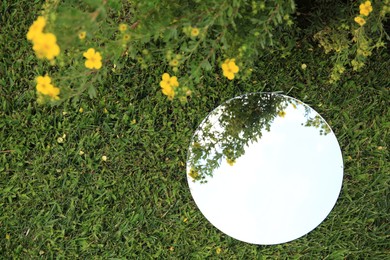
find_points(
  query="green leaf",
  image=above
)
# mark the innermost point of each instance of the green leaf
(169, 34)
(206, 65)
(115, 4)
(92, 91)
(93, 3)
(229, 11)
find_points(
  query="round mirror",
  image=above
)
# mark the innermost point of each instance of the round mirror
(264, 168)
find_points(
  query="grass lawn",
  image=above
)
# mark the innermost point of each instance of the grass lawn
(55, 202)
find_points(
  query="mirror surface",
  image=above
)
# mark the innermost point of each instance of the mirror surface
(264, 168)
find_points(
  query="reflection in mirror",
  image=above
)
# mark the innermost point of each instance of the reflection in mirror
(264, 168)
(230, 128)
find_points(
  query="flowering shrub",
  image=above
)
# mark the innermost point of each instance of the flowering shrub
(352, 41)
(186, 39)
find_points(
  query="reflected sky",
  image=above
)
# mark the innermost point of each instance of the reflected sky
(284, 183)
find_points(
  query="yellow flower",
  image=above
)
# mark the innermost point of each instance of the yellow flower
(360, 20)
(45, 87)
(126, 37)
(194, 32)
(45, 46)
(122, 27)
(36, 28)
(94, 59)
(168, 84)
(174, 63)
(82, 35)
(218, 250)
(230, 68)
(231, 162)
(81, 110)
(303, 66)
(282, 113)
(43, 82)
(104, 158)
(194, 174)
(365, 8)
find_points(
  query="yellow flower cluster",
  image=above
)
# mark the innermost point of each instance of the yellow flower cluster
(168, 85)
(44, 44)
(365, 9)
(230, 68)
(45, 87)
(94, 59)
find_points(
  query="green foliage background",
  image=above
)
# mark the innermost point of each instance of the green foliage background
(55, 203)
(159, 35)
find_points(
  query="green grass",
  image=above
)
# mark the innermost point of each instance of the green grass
(56, 203)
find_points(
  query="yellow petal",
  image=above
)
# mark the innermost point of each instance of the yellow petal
(50, 38)
(233, 67)
(225, 66)
(174, 82)
(164, 84)
(41, 88)
(41, 21)
(98, 56)
(98, 64)
(36, 28)
(52, 52)
(166, 77)
(44, 89)
(360, 20)
(89, 53)
(89, 64)
(228, 74)
(168, 92)
(56, 50)
(43, 80)
(53, 92)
